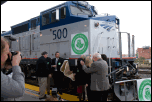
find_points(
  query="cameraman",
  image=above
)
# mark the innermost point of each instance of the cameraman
(11, 87)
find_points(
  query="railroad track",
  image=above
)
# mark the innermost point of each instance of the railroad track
(144, 68)
(144, 72)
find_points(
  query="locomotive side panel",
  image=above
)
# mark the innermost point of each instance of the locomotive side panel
(104, 41)
(15, 45)
(59, 38)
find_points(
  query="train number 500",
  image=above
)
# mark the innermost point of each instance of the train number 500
(60, 33)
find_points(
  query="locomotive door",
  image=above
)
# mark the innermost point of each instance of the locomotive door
(64, 49)
(45, 47)
(35, 44)
(53, 48)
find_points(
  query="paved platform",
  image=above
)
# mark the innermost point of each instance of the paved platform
(31, 95)
(32, 92)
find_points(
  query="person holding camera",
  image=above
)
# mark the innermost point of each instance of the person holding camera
(11, 87)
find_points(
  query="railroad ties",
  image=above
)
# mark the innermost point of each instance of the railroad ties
(144, 72)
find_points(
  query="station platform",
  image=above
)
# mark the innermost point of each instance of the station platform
(31, 94)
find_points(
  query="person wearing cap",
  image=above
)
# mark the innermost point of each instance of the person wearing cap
(42, 72)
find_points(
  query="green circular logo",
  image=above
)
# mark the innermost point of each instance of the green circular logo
(79, 44)
(144, 92)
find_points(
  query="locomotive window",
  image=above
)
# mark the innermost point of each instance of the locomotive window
(63, 12)
(20, 29)
(33, 24)
(53, 16)
(79, 11)
(45, 19)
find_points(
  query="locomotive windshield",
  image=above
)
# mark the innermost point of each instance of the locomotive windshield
(79, 11)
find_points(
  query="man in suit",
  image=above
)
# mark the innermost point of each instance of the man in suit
(58, 75)
(42, 72)
(99, 81)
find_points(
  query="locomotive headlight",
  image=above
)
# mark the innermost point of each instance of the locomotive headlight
(96, 24)
(126, 68)
(136, 66)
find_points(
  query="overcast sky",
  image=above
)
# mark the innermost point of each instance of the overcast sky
(135, 16)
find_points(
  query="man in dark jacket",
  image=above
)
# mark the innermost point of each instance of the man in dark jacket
(42, 72)
(48, 59)
(58, 75)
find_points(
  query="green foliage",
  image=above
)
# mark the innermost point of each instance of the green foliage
(140, 60)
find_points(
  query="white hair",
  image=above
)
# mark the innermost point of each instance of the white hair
(97, 55)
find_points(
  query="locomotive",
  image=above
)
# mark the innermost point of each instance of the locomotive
(74, 28)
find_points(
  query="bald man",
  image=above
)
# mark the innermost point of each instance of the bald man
(99, 81)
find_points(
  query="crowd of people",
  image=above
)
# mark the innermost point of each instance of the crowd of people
(90, 74)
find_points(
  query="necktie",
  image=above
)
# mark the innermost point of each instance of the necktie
(56, 61)
(56, 64)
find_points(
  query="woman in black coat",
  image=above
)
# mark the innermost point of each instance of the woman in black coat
(80, 78)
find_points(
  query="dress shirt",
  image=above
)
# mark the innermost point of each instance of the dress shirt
(56, 63)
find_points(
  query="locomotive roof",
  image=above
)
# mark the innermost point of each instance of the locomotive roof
(53, 8)
(25, 22)
(6, 33)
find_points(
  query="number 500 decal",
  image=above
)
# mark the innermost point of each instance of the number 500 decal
(59, 33)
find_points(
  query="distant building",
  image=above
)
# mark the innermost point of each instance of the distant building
(144, 52)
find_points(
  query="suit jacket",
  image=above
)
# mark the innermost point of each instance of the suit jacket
(98, 70)
(12, 87)
(59, 63)
(49, 63)
(42, 69)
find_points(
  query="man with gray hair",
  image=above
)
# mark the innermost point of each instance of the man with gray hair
(99, 81)
(42, 72)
